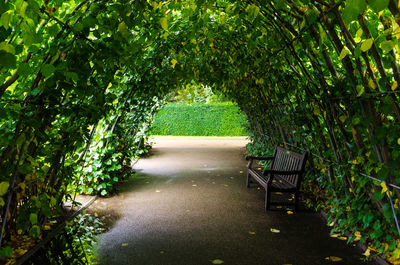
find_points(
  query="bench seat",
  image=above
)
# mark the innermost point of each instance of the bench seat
(284, 175)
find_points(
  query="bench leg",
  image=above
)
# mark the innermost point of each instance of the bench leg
(248, 180)
(267, 199)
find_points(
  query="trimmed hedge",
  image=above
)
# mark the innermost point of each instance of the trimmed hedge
(219, 119)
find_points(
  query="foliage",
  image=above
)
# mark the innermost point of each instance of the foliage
(318, 75)
(223, 119)
(194, 93)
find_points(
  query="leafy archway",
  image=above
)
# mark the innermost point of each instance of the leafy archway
(321, 76)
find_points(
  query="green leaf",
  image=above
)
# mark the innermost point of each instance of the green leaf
(35, 231)
(123, 29)
(387, 46)
(103, 192)
(24, 70)
(7, 60)
(33, 218)
(72, 75)
(2, 202)
(21, 7)
(343, 54)
(7, 47)
(353, 9)
(366, 45)
(6, 252)
(4, 187)
(48, 70)
(378, 5)
(6, 19)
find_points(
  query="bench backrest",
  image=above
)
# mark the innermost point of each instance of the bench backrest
(285, 160)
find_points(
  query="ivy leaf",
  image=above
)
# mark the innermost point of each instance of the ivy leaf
(21, 7)
(48, 70)
(4, 187)
(164, 23)
(378, 5)
(366, 44)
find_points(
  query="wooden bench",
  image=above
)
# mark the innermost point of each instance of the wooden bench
(284, 174)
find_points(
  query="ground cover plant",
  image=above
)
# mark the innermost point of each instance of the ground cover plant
(81, 80)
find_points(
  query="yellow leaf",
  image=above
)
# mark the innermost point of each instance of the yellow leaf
(343, 118)
(194, 185)
(384, 187)
(394, 86)
(217, 261)
(359, 33)
(335, 235)
(4, 187)
(342, 238)
(158, 191)
(240, 171)
(333, 258)
(164, 23)
(372, 84)
(343, 54)
(275, 230)
(124, 244)
(173, 63)
(398, 141)
(367, 252)
(252, 233)
(358, 236)
(289, 212)
(47, 227)
(367, 44)
(332, 224)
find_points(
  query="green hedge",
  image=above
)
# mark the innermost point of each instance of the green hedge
(219, 119)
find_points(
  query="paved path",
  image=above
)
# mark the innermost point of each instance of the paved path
(188, 205)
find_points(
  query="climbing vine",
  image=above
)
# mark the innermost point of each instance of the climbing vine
(80, 81)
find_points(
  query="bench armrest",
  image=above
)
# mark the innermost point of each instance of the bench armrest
(259, 158)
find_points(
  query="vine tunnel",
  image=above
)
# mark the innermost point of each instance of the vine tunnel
(81, 81)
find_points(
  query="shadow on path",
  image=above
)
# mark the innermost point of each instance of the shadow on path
(189, 205)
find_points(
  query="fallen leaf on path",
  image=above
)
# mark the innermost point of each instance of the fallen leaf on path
(226, 185)
(333, 258)
(252, 233)
(187, 211)
(158, 191)
(241, 171)
(124, 244)
(289, 212)
(217, 261)
(213, 182)
(358, 236)
(273, 230)
(231, 177)
(194, 185)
